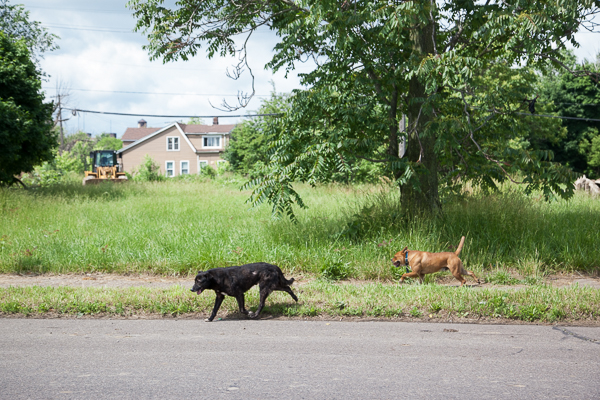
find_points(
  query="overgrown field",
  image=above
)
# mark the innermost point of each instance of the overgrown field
(180, 227)
(537, 303)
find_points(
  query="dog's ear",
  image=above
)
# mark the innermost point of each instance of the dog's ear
(403, 250)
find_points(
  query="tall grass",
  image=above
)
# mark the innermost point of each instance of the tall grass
(180, 227)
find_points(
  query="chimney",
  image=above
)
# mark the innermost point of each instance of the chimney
(141, 123)
(89, 135)
(215, 120)
(112, 135)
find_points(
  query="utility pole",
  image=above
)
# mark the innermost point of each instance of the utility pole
(62, 138)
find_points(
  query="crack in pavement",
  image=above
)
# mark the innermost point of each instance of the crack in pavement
(575, 335)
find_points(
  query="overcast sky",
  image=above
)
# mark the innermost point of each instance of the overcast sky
(104, 68)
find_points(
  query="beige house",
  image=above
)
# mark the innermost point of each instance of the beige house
(178, 148)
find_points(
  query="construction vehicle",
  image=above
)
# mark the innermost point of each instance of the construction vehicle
(104, 168)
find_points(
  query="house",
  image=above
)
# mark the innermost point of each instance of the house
(178, 148)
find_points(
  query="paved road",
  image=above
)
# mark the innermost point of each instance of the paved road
(268, 359)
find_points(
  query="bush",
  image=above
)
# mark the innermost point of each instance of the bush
(336, 270)
(208, 172)
(148, 171)
(64, 168)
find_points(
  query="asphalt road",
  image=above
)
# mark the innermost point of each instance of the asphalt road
(267, 359)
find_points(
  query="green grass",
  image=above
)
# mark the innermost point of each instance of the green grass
(318, 298)
(180, 227)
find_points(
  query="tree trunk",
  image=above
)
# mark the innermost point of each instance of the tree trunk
(420, 195)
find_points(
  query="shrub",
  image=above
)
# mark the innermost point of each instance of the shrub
(208, 172)
(336, 270)
(148, 171)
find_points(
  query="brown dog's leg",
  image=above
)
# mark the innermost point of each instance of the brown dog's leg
(473, 275)
(458, 276)
(412, 274)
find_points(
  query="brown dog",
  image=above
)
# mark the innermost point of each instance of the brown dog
(423, 262)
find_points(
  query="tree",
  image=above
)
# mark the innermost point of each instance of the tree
(14, 21)
(26, 136)
(575, 96)
(248, 148)
(376, 61)
(195, 121)
(107, 142)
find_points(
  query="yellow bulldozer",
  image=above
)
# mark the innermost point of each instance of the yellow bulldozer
(104, 168)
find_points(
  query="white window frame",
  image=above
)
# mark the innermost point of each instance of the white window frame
(167, 168)
(220, 137)
(219, 162)
(176, 143)
(181, 167)
(205, 162)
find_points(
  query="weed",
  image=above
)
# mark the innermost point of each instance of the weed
(501, 278)
(336, 270)
(555, 314)
(435, 307)
(415, 312)
(531, 312)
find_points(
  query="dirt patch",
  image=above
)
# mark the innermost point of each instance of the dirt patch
(153, 281)
(93, 280)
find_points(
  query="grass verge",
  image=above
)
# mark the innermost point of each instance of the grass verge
(319, 298)
(179, 227)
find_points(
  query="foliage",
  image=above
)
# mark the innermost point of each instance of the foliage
(575, 96)
(248, 149)
(319, 298)
(148, 171)
(335, 269)
(376, 61)
(26, 136)
(107, 142)
(208, 172)
(196, 121)
(15, 23)
(177, 226)
(63, 168)
(67, 163)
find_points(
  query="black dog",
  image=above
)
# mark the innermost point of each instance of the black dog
(235, 281)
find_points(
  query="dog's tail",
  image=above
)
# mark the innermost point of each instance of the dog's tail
(460, 246)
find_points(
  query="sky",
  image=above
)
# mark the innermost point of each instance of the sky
(102, 66)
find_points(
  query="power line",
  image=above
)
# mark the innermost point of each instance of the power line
(83, 10)
(279, 114)
(160, 93)
(558, 116)
(86, 29)
(76, 110)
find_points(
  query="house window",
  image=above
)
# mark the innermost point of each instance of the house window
(170, 168)
(184, 167)
(172, 143)
(211, 142)
(202, 164)
(221, 163)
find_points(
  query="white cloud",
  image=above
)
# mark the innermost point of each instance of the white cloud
(107, 62)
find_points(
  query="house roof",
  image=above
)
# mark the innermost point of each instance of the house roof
(207, 128)
(183, 129)
(133, 134)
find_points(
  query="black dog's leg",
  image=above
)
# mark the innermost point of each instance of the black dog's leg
(218, 301)
(288, 290)
(264, 293)
(241, 303)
